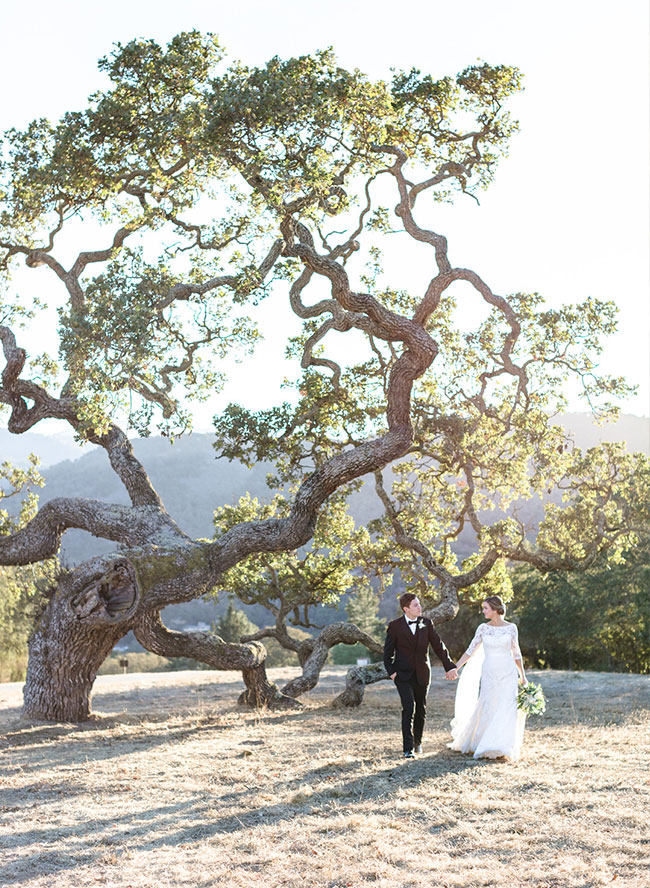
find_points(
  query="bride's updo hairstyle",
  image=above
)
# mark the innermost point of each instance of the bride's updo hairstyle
(496, 604)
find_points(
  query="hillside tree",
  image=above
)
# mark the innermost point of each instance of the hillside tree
(185, 193)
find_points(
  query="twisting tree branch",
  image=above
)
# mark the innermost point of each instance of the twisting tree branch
(335, 633)
(16, 392)
(184, 291)
(212, 650)
(41, 537)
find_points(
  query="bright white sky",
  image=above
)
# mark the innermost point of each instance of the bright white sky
(568, 213)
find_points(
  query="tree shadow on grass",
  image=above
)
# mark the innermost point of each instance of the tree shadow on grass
(98, 744)
(346, 782)
(194, 819)
(141, 729)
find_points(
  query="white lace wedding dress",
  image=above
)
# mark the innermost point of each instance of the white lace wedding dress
(486, 721)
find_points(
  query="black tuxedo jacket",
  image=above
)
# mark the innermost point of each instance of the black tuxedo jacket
(406, 653)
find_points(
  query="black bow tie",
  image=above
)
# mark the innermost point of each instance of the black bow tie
(410, 622)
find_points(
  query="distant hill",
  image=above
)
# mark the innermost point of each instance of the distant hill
(634, 430)
(192, 483)
(59, 447)
(50, 449)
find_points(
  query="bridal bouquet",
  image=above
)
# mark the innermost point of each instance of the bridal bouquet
(530, 699)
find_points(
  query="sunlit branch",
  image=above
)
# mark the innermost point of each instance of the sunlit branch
(86, 258)
(404, 210)
(16, 392)
(41, 537)
(185, 291)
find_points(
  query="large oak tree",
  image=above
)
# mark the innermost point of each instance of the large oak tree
(212, 186)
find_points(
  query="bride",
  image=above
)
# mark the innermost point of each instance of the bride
(487, 722)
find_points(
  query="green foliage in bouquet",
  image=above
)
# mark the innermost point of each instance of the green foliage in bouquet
(531, 700)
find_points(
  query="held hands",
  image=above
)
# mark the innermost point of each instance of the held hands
(452, 675)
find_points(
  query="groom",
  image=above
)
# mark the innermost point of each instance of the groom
(406, 660)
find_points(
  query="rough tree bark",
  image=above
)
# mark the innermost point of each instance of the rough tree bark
(75, 634)
(335, 633)
(169, 566)
(355, 682)
(157, 563)
(212, 650)
(312, 652)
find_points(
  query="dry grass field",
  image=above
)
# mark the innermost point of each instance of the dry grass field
(172, 785)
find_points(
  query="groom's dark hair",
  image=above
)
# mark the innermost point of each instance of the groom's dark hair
(406, 599)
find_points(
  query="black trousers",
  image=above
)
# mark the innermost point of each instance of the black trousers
(414, 711)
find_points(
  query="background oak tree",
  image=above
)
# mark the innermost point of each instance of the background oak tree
(208, 186)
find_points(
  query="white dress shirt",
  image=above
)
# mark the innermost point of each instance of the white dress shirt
(412, 626)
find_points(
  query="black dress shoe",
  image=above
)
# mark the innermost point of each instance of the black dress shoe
(409, 754)
(418, 749)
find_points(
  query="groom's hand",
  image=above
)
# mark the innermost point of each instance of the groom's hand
(393, 676)
(452, 675)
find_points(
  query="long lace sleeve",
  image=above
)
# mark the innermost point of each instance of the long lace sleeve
(514, 643)
(476, 641)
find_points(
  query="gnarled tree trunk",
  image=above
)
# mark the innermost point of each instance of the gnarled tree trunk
(68, 645)
(63, 661)
(355, 682)
(261, 692)
(212, 650)
(335, 633)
